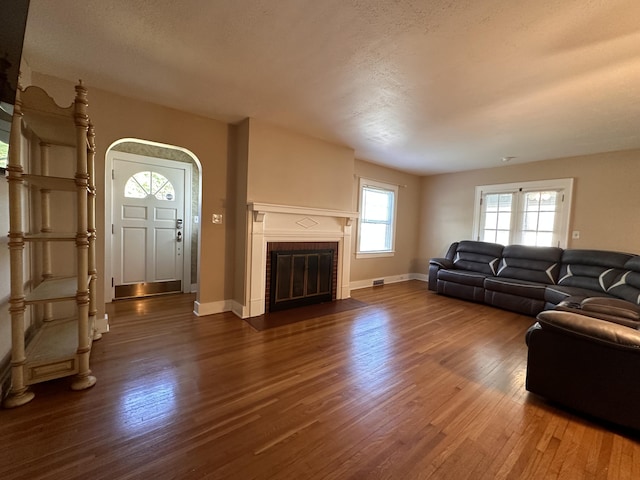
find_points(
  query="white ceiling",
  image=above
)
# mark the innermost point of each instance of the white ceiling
(423, 86)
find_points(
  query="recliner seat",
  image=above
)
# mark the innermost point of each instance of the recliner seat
(587, 273)
(471, 263)
(522, 278)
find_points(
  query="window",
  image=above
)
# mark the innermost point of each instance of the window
(376, 231)
(529, 213)
(4, 155)
(5, 128)
(149, 184)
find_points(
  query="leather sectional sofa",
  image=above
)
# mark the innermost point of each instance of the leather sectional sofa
(584, 349)
(529, 280)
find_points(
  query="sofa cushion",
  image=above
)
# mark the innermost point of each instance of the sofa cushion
(612, 306)
(534, 264)
(591, 328)
(595, 270)
(480, 257)
(627, 285)
(515, 286)
(462, 277)
(611, 309)
(515, 303)
(557, 293)
(458, 290)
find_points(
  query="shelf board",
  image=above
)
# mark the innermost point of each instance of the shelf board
(54, 290)
(52, 352)
(50, 237)
(49, 121)
(52, 183)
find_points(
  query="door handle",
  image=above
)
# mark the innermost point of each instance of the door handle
(179, 239)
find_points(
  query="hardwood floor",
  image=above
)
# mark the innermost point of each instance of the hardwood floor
(413, 385)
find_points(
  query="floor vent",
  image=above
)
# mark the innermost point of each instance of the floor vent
(377, 283)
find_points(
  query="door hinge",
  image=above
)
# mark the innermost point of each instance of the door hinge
(112, 229)
(113, 174)
(112, 281)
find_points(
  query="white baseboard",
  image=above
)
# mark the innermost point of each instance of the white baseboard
(101, 325)
(211, 308)
(239, 310)
(242, 311)
(390, 279)
(423, 277)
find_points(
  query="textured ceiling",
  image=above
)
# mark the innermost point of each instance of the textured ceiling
(423, 86)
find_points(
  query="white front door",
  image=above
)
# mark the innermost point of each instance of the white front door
(148, 225)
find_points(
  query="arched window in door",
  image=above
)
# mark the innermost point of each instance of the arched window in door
(149, 184)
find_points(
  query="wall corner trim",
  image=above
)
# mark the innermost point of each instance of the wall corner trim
(211, 308)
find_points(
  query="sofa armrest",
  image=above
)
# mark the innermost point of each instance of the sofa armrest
(611, 306)
(441, 262)
(435, 265)
(590, 327)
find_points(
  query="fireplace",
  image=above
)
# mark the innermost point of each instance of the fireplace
(271, 224)
(300, 273)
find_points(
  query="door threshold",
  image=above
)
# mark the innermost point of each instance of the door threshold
(147, 289)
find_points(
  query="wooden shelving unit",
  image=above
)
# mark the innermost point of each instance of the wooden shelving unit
(59, 347)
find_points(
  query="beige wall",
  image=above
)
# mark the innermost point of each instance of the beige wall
(288, 168)
(116, 117)
(606, 200)
(404, 260)
(240, 137)
(278, 166)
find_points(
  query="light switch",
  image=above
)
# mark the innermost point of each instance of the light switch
(216, 218)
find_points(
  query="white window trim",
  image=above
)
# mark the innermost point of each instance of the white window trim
(561, 184)
(384, 186)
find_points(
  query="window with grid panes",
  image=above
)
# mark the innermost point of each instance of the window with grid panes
(376, 226)
(528, 213)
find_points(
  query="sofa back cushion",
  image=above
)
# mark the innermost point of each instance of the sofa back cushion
(595, 270)
(627, 285)
(535, 264)
(480, 257)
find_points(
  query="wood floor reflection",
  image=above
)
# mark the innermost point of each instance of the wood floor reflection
(294, 315)
(412, 385)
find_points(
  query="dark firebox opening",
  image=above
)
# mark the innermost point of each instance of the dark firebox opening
(300, 276)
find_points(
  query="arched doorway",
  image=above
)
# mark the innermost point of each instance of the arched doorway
(143, 212)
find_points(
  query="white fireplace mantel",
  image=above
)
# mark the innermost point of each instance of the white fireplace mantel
(286, 223)
(260, 209)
